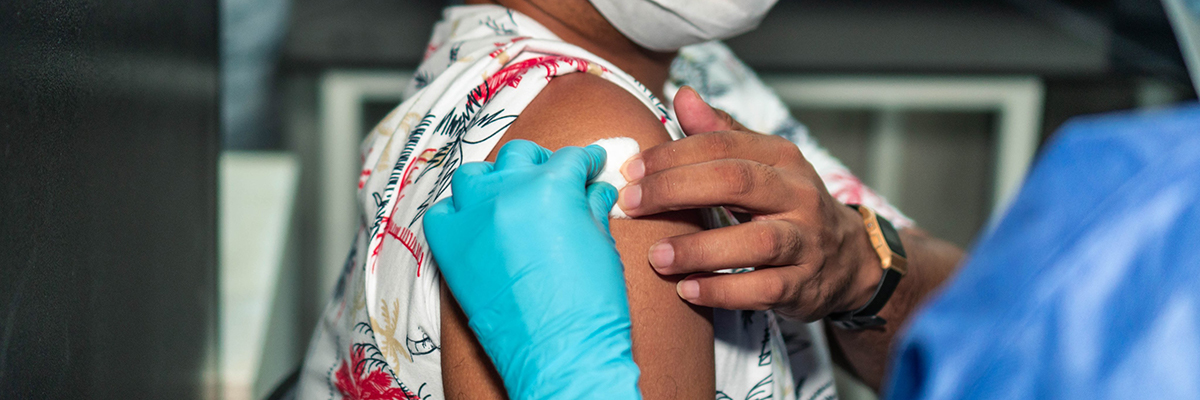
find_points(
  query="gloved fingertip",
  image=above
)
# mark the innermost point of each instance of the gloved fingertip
(518, 146)
(601, 198)
(573, 159)
(437, 215)
(472, 169)
(597, 156)
(519, 152)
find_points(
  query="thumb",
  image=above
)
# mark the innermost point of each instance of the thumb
(438, 220)
(601, 197)
(696, 116)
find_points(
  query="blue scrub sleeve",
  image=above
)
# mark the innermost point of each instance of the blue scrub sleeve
(1089, 287)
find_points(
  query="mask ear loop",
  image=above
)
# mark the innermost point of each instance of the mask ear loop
(1185, 20)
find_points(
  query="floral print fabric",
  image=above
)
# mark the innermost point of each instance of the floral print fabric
(379, 336)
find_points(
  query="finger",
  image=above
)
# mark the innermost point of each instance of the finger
(697, 116)
(470, 184)
(472, 169)
(521, 153)
(438, 221)
(748, 245)
(755, 290)
(582, 163)
(601, 197)
(747, 145)
(741, 185)
(597, 161)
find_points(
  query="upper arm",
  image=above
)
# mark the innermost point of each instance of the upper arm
(672, 340)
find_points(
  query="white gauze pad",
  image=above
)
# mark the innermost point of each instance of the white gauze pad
(619, 149)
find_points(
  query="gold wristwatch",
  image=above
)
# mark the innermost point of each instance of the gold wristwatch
(886, 242)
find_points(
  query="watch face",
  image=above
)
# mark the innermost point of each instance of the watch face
(892, 237)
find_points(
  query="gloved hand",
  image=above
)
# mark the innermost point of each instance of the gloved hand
(526, 250)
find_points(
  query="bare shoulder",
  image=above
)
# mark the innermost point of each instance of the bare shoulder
(578, 109)
(672, 341)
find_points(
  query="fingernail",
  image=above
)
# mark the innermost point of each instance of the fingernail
(688, 289)
(634, 169)
(631, 197)
(662, 254)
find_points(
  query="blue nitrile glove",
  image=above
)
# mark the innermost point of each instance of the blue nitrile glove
(524, 246)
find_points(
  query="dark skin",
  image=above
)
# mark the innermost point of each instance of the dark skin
(672, 340)
(812, 252)
(577, 22)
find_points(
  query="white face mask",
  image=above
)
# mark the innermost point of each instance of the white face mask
(667, 25)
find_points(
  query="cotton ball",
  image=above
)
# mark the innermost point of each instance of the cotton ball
(619, 150)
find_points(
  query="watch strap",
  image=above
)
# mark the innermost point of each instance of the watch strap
(886, 242)
(867, 315)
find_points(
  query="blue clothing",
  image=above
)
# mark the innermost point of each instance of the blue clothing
(1089, 287)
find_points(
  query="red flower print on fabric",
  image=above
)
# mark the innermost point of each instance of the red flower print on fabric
(510, 76)
(364, 383)
(851, 191)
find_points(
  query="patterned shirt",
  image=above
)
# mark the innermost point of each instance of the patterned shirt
(379, 338)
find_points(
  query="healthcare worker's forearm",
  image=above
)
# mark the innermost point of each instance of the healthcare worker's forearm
(931, 261)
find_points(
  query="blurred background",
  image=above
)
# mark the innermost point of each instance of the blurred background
(178, 175)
